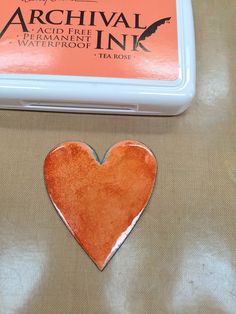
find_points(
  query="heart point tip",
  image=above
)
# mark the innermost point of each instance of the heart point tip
(100, 266)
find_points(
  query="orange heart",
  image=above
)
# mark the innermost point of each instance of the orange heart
(100, 202)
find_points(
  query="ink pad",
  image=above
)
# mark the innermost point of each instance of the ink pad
(97, 56)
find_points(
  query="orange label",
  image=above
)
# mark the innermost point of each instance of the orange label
(102, 38)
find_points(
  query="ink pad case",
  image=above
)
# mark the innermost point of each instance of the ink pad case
(99, 56)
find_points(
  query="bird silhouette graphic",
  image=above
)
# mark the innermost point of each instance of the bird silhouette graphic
(149, 31)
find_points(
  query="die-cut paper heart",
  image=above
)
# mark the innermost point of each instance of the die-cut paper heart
(100, 202)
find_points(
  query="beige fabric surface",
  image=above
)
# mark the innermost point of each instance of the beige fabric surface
(181, 257)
